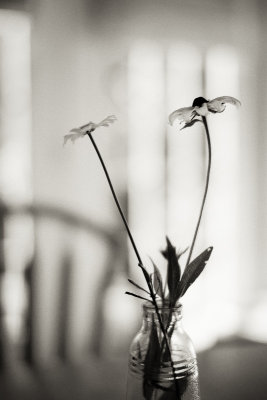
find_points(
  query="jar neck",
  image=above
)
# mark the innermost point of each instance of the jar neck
(169, 316)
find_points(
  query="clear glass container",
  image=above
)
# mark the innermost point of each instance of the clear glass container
(158, 371)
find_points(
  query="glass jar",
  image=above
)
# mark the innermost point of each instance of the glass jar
(160, 371)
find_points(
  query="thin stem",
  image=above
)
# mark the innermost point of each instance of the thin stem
(115, 197)
(140, 263)
(205, 191)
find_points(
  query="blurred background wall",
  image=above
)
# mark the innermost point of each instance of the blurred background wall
(65, 258)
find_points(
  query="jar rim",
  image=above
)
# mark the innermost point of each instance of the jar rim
(162, 307)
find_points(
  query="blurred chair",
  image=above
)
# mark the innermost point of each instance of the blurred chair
(30, 351)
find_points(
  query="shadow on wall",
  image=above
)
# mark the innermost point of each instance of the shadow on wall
(61, 301)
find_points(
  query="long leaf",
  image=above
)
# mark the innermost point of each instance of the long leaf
(192, 271)
(146, 274)
(157, 281)
(173, 272)
(152, 361)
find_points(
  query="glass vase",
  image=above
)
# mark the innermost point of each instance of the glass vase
(160, 370)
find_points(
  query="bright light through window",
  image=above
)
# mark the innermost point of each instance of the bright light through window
(146, 170)
(15, 160)
(15, 151)
(223, 206)
(167, 173)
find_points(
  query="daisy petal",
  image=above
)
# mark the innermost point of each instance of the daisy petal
(219, 103)
(107, 121)
(77, 130)
(185, 114)
(73, 136)
(87, 128)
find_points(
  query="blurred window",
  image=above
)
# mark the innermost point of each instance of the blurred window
(167, 170)
(15, 162)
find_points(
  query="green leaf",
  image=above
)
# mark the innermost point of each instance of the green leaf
(152, 361)
(153, 355)
(169, 330)
(148, 389)
(146, 274)
(157, 281)
(173, 272)
(192, 271)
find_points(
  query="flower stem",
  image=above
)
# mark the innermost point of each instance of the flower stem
(115, 198)
(140, 263)
(205, 191)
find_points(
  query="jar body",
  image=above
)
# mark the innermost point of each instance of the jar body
(160, 371)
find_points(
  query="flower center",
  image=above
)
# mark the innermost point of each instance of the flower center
(199, 101)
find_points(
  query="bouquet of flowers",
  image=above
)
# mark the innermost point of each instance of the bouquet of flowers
(163, 295)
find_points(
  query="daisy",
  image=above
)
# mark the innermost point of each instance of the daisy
(201, 107)
(83, 130)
